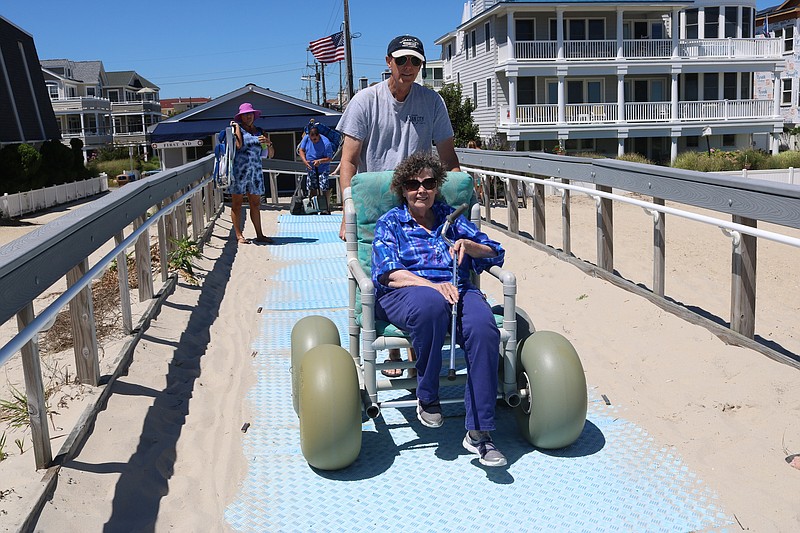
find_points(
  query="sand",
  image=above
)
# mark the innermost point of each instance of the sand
(729, 412)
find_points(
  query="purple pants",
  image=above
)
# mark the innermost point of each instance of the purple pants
(425, 315)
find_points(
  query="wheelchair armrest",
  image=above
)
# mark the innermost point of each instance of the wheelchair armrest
(367, 289)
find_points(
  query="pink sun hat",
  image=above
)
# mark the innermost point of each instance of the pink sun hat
(247, 108)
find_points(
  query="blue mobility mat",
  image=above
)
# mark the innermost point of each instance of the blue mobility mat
(615, 477)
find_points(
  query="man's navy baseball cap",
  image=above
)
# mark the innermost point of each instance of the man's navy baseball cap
(406, 45)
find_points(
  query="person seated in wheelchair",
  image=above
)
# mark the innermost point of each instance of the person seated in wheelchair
(412, 272)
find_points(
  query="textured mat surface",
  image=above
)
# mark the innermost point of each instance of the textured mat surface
(615, 477)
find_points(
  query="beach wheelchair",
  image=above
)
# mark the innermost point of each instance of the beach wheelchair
(540, 374)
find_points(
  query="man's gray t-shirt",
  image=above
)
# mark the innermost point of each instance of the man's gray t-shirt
(389, 130)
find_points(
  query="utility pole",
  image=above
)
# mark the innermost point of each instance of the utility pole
(324, 95)
(316, 78)
(348, 52)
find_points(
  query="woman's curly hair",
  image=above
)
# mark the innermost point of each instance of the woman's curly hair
(410, 168)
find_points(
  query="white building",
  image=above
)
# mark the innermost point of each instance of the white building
(651, 77)
(781, 22)
(99, 107)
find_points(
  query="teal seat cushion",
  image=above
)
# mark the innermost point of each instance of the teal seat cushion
(372, 197)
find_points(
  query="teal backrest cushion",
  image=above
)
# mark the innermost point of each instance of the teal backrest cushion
(372, 197)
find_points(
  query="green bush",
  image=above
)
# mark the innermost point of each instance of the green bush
(634, 157)
(57, 165)
(786, 159)
(30, 158)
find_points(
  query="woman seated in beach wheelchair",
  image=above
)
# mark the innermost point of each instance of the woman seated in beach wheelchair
(414, 265)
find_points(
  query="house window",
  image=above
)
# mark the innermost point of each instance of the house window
(582, 145)
(731, 21)
(584, 91)
(712, 23)
(474, 43)
(488, 92)
(90, 91)
(525, 30)
(475, 94)
(747, 23)
(580, 29)
(449, 51)
(729, 140)
(466, 46)
(691, 24)
(746, 90)
(711, 86)
(729, 87)
(788, 39)
(487, 36)
(691, 88)
(526, 91)
(644, 90)
(52, 89)
(73, 125)
(786, 91)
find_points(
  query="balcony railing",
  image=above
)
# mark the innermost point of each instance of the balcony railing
(650, 49)
(716, 110)
(135, 107)
(81, 103)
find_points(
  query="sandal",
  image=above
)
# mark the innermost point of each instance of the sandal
(242, 240)
(264, 239)
(393, 372)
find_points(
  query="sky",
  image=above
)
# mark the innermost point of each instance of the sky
(204, 48)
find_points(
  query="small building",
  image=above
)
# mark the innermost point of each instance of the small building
(175, 106)
(192, 134)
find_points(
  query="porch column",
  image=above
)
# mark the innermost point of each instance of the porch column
(512, 36)
(620, 51)
(675, 28)
(83, 126)
(621, 95)
(776, 143)
(673, 113)
(512, 99)
(776, 93)
(620, 146)
(562, 107)
(673, 148)
(560, 33)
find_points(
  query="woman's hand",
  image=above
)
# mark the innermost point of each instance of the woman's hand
(448, 290)
(473, 249)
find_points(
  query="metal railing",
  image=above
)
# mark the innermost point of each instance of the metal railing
(62, 248)
(748, 202)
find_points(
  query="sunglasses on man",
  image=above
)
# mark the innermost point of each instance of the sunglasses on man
(413, 185)
(400, 61)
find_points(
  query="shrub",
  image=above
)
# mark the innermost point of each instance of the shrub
(634, 157)
(30, 159)
(785, 160)
(57, 165)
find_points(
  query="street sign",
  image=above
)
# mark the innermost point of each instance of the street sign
(178, 144)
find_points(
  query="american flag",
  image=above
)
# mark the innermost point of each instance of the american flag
(329, 49)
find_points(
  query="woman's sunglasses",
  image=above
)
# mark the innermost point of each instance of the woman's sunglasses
(400, 61)
(413, 185)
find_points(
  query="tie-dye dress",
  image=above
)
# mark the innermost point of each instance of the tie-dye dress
(247, 175)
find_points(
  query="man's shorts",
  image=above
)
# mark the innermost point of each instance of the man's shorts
(316, 180)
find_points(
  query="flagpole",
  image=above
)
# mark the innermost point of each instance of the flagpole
(348, 53)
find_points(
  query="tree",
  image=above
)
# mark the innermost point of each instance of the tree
(460, 112)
